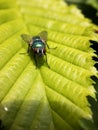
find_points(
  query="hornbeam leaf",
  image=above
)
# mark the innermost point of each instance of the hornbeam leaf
(46, 98)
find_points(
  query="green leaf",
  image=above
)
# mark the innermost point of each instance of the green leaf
(46, 98)
(93, 3)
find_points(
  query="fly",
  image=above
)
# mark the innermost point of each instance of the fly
(37, 44)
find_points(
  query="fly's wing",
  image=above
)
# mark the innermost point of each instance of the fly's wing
(27, 38)
(43, 35)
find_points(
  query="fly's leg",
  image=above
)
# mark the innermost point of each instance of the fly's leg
(47, 61)
(28, 49)
(46, 54)
(35, 60)
(49, 47)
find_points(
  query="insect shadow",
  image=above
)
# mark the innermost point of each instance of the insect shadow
(37, 47)
(37, 61)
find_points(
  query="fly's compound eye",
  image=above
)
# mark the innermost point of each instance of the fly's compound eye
(35, 50)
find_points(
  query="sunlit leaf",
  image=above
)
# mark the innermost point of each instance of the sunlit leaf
(46, 98)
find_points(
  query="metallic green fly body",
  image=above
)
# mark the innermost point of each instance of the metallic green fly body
(37, 44)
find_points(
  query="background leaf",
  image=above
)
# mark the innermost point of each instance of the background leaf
(93, 3)
(46, 98)
(89, 8)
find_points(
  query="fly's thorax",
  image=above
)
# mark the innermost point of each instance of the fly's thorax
(38, 46)
(38, 42)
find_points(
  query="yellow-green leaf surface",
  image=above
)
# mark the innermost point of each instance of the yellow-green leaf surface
(45, 98)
